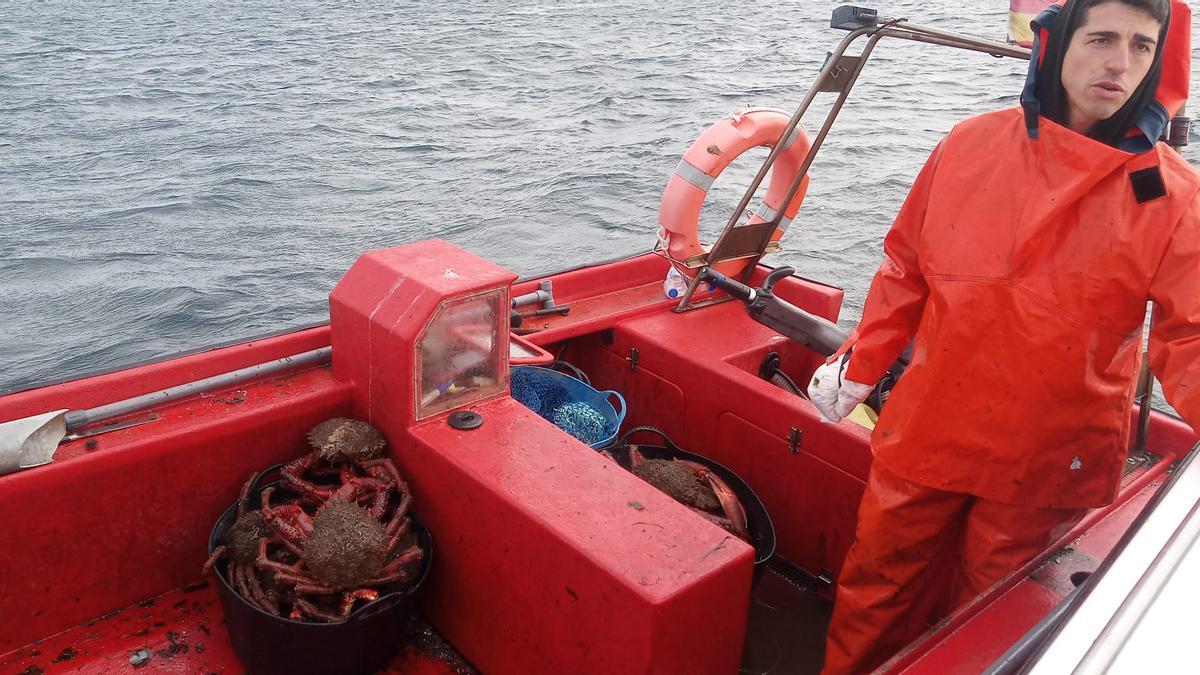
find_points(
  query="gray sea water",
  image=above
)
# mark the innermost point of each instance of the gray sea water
(177, 174)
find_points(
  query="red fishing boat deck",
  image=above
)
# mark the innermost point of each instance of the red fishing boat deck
(548, 556)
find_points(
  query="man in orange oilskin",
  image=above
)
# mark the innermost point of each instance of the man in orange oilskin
(1019, 267)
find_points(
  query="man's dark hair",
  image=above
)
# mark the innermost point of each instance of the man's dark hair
(1050, 91)
(1159, 9)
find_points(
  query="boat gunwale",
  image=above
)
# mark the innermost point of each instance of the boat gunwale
(233, 342)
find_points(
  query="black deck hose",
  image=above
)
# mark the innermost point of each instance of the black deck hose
(781, 380)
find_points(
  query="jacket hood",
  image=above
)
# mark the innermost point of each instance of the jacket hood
(1140, 123)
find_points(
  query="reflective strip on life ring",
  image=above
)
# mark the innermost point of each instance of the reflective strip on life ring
(715, 149)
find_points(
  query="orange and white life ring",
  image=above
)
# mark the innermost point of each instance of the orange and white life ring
(715, 149)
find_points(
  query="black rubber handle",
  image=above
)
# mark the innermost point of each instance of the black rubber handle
(254, 490)
(654, 430)
(775, 275)
(817, 333)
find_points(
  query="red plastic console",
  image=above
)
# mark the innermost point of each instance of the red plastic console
(548, 557)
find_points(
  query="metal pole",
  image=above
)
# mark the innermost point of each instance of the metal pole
(830, 65)
(1145, 387)
(819, 139)
(1145, 390)
(80, 418)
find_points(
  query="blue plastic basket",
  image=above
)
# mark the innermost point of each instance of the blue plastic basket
(573, 406)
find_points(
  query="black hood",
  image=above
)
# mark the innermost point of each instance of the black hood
(1136, 127)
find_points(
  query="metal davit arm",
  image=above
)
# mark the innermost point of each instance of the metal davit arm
(839, 74)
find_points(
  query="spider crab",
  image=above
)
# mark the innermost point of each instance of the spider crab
(342, 549)
(695, 486)
(242, 548)
(352, 450)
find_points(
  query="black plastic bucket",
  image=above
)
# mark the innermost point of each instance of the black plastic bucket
(758, 521)
(268, 644)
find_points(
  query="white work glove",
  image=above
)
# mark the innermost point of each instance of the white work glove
(832, 394)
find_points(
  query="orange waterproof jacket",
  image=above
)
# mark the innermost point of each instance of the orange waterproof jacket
(1023, 268)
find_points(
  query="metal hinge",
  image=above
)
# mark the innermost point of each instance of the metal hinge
(633, 359)
(794, 438)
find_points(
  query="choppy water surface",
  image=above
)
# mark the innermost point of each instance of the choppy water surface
(180, 174)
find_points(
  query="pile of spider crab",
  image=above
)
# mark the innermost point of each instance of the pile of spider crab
(334, 531)
(693, 485)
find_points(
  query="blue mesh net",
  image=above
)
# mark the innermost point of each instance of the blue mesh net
(581, 421)
(571, 405)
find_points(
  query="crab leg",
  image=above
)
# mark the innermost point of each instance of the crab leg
(257, 594)
(241, 575)
(303, 607)
(361, 594)
(240, 583)
(293, 476)
(395, 577)
(245, 491)
(356, 488)
(393, 571)
(289, 521)
(212, 559)
(313, 588)
(303, 584)
(394, 542)
(293, 473)
(264, 562)
(399, 527)
(385, 470)
(411, 554)
(405, 502)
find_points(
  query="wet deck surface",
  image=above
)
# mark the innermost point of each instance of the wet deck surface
(786, 631)
(183, 631)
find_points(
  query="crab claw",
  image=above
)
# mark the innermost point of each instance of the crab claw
(730, 504)
(635, 457)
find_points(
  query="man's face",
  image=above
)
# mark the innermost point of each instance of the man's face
(1107, 59)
